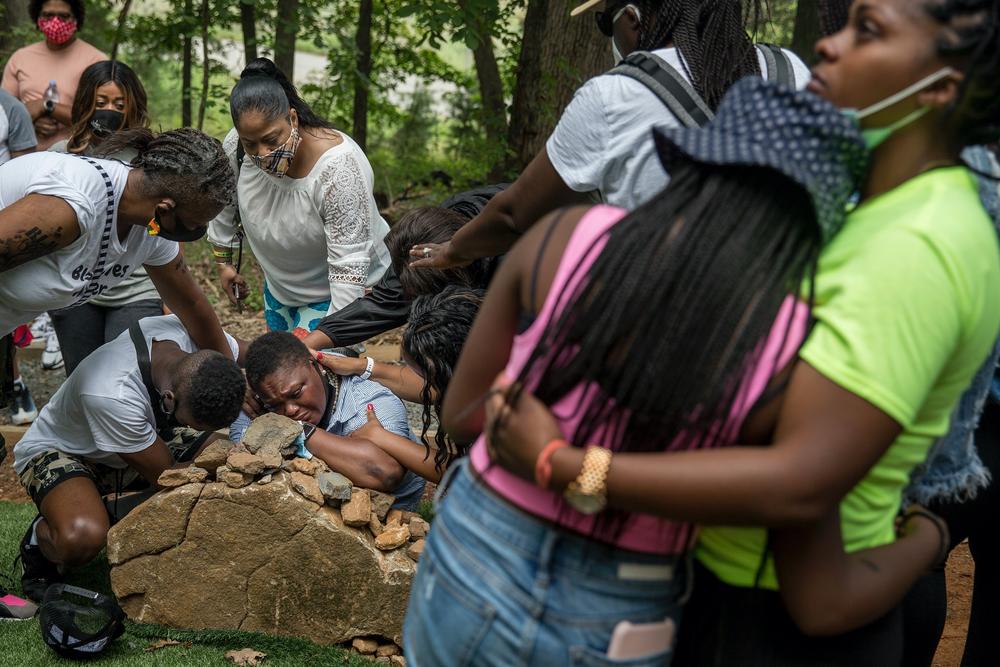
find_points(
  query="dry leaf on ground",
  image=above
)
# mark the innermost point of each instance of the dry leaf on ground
(246, 656)
(160, 643)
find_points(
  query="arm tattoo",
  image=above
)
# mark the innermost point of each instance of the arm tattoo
(26, 246)
(871, 565)
(180, 266)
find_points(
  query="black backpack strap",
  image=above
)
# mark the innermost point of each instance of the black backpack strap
(779, 65)
(668, 85)
(146, 370)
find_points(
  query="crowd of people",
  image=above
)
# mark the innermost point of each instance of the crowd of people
(713, 377)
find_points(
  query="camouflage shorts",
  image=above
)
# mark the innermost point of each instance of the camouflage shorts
(52, 467)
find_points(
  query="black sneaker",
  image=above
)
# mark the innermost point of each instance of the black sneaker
(37, 572)
(13, 608)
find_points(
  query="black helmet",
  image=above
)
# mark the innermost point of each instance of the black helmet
(77, 623)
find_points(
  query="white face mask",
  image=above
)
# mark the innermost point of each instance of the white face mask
(875, 136)
(615, 53)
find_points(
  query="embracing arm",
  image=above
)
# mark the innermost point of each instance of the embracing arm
(33, 227)
(358, 459)
(411, 455)
(828, 592)
(399, 379)
(539, 190)
(185, 299)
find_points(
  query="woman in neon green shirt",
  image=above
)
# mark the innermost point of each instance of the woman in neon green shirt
(906, 311)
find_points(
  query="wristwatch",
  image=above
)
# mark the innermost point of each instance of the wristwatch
(588, 493)
(49, 106)
(307, 430)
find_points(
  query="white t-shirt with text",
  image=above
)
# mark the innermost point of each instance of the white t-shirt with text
(64, 277)
(604, 139)
(103, 409)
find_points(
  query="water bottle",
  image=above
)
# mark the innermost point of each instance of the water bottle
(52, 93)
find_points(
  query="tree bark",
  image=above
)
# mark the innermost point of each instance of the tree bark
(120, 31)
(807, 30)
(494, 111)
(186, 65)
(15, 14)
(248, 20)
(558, 54)
(206, 66)
(285, 31)
(362, 78)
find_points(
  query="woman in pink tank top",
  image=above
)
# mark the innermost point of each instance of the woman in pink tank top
(673, 319)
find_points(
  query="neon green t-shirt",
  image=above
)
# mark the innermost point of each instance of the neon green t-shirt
(907, 308)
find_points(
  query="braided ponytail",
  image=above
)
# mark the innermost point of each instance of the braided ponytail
(711, 35)
(186, 164)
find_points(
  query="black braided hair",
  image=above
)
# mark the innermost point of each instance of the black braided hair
(265, 88)
(971, 40)
(673, 313)
(833, 15)
(433, 339)
(212, 386)
(186, 164)
(711, 36)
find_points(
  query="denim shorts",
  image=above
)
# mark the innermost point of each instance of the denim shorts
(497, 586)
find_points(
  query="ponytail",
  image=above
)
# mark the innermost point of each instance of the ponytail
(265, 88)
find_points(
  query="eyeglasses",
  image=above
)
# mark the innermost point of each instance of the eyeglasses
(606, 19)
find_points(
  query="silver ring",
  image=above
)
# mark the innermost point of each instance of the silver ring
(427, 252)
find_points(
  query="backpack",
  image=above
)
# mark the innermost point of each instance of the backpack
(679, 96)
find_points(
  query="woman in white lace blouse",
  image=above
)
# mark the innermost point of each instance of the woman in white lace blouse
(305, 205)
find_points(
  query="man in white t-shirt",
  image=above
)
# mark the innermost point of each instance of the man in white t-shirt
(98, 435)
(602, 147)
(17, 135)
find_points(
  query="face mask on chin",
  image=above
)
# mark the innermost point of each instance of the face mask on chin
(615, 52)
(876, 136)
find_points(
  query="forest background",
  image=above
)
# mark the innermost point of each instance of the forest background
(442, 94)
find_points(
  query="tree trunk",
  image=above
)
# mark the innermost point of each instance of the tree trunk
(248, 20)
(15, 14)
(494, 111)
(186, 66)
(558, 53)
(206, 66)
(807, 30)
(285, 31)
(362, 79)
(120, 31)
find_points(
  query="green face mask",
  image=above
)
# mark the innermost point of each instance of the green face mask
(876, 136)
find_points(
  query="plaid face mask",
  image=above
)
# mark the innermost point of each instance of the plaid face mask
(278, 161)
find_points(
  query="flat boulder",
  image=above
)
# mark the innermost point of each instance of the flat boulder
(261, 558)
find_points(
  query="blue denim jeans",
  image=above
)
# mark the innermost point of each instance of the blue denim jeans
(496, 586)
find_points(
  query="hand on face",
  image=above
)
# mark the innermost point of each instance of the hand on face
(518, 426)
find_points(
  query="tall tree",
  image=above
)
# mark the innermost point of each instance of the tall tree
(120, 31)
(362, 78)
(15, 15)
(494, 109)
(558, 53)
(285, 31)
(248, 21)
(206, 65)
(187, 56)
(807, 29)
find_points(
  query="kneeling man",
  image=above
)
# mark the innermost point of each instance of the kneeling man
(118, 419)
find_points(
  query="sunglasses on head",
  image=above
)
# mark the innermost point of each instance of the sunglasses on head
(606, 18)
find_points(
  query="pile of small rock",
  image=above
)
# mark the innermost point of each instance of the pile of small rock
(284, 544)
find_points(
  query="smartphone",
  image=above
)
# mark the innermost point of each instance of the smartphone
(638, 640)
(236, 295)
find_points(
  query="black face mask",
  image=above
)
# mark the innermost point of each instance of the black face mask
(180, 233)
(107, 121)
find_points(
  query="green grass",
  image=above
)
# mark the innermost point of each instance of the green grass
(21, 642)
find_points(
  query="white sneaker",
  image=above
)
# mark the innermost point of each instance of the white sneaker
(41, 326)
(52, 358)
(23, 410)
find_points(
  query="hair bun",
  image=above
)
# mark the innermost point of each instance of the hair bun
(261, 67)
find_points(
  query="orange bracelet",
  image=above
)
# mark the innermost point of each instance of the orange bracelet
(543, 464)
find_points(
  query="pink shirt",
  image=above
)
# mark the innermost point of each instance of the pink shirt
(30, 69)
(639, 532)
